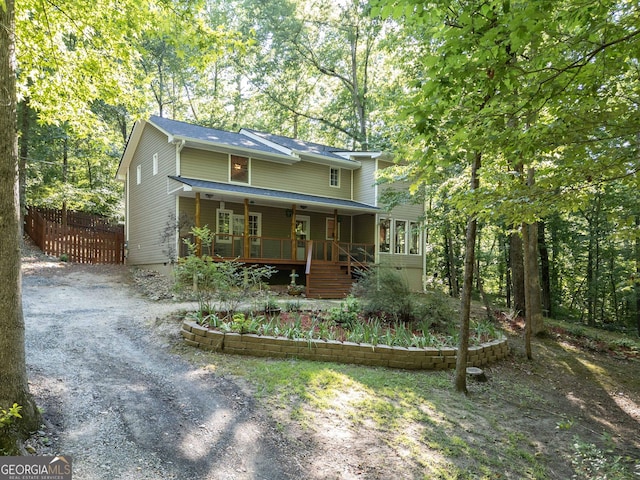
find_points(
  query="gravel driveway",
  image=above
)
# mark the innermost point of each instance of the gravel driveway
(119, 402)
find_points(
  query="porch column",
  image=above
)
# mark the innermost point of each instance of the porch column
(334, 244)
(198, 239)
(246, 229)
(294, 244)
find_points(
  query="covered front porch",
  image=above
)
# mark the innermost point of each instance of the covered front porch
(325, 241)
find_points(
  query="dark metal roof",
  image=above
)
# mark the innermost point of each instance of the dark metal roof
(275, 194)
(205, 134)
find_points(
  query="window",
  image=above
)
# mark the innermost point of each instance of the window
(155, 163)
(334, 177)
(414, 238)
(239, 169)
(223, 225)
(138, 174)
(401, 236)
(385, 235)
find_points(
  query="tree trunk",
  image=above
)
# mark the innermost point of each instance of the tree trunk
(527, 322)
(532, 277)
(637, 279)
(65, 175)
(465, 302)
(507, 270)
(13, 373)
(545, 272)
(452, 269)
(516, 264)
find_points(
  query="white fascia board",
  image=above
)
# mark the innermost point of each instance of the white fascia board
(332, 162)
(386, 156)
(358, 154)
(269, 143)
(196, 142)
(129, 150)
(225, 147)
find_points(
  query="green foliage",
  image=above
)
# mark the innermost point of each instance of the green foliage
(8, 417)
(383, 292)
(228, 282)
(589, 462)
(347, 313)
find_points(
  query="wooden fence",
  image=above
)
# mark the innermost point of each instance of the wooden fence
(82, 237)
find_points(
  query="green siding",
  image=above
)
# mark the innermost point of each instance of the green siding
(364, 228)
(363, 183)
(204, 165)
(302, 177)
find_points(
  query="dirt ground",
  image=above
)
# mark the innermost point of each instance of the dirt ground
(123, 405)
(118, 402)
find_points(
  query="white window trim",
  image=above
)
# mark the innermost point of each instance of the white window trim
(248, 182)
(407, 237)
(138, 174)
(155, 163)
(339, 170)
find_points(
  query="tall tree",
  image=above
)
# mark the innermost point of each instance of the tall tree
(13, 373)
(562, 80)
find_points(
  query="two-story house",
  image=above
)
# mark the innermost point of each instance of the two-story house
(299, 206)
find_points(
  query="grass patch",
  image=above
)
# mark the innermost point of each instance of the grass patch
(523, 423)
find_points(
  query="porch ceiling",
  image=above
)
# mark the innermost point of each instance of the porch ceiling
(263, 196)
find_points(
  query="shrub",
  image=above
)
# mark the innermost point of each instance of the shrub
(383, 292)
(347, 313)
(229, 281)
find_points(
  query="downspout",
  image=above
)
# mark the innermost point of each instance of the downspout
(126, 213)
(179, 146)
(424, 254)
(376, 226)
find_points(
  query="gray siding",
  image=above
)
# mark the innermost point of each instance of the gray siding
(150, 207)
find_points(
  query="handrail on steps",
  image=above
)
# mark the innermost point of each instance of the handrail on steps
(351, 258)
(309, 257)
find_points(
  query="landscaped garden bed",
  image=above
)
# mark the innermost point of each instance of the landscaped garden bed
(382, 323)
(341, 334)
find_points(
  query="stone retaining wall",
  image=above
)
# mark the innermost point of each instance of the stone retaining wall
(340, 352)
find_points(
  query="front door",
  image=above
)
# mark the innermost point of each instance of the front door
(302, 235)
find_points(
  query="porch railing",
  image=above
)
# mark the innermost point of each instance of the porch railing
(271, 248)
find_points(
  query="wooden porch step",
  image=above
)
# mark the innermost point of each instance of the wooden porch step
(328, 280)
